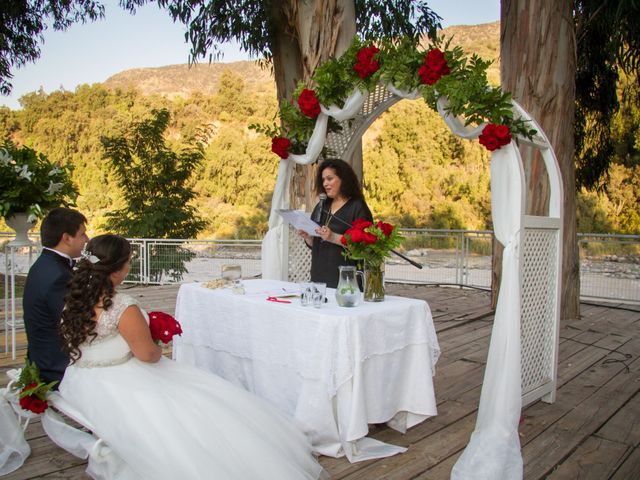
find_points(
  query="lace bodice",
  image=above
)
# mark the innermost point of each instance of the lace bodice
(108, 348)
(107, 325)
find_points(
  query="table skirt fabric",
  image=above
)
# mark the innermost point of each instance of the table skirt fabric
(334, 370)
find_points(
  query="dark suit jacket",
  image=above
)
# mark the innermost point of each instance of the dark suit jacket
(43, 301)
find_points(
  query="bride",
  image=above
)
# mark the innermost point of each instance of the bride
(166, 420)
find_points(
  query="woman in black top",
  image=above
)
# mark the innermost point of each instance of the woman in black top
(344, 204)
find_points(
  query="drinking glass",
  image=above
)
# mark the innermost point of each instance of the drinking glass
(231, 272)
(306, 294)
(319, 291)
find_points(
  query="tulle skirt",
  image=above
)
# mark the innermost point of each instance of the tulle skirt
(172, 421)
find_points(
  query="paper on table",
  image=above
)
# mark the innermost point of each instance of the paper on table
(300, 221)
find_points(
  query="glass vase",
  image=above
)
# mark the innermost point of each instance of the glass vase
(373, 281)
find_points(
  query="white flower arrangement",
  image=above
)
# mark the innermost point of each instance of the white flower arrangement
(30, 183)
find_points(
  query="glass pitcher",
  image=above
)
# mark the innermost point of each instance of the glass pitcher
(347, 292)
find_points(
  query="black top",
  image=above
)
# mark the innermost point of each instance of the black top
(43, 301)
(326, 257)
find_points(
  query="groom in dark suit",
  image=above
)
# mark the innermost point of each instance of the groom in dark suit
(63, 235)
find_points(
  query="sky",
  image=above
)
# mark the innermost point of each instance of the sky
(93, 52)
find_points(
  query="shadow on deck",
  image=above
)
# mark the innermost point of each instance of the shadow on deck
(592, 431)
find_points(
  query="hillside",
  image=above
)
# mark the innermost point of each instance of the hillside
(183, 80)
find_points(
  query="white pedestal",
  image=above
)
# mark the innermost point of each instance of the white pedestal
(10, 320)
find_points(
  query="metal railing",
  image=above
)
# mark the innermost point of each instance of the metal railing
(609, 264)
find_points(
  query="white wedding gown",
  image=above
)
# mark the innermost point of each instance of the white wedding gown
(168, 420)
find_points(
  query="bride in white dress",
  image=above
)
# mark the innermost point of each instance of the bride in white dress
(166, 420)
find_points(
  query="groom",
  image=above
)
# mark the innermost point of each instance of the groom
(63, 235)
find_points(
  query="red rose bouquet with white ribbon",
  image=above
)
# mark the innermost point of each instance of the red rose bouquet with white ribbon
(163, 327)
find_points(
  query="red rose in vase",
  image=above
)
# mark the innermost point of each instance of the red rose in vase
(308, 103)
(361, 223)
(386, 228)
(369, 238)
(280, 146)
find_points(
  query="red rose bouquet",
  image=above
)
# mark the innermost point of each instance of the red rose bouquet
(163, 327)
(372, 243)
(33, 390)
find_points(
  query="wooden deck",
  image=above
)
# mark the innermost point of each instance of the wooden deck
(592, 431)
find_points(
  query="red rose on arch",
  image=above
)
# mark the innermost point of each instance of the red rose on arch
(308, 103)
(366, 65)
(494, 136)
(427, 76)
(280, 146)
(502, 134)
(434, 67)
(489, 142)
(386, 228)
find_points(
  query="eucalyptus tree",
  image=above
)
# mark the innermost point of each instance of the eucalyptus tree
(562, 62)
(294, 37)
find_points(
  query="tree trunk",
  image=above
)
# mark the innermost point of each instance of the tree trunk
(538, 66)
(309, 32)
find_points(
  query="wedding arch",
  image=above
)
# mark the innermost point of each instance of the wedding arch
(526, 324)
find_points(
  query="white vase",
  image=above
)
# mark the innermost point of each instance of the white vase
(21, 224)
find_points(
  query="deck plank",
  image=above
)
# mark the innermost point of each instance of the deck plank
(630, 467)
(591, 431)
(594, 459)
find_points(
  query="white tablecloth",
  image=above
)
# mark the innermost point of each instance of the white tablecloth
(333, 369)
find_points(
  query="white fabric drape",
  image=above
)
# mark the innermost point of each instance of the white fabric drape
(454, 123)
(273, 263)
(493, 452)
(14, 449)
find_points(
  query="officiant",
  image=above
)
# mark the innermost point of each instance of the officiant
(341, 202)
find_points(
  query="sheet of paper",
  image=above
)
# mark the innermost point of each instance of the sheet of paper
(300, 221)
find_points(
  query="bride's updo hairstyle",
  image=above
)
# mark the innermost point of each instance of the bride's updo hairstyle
(90, 286)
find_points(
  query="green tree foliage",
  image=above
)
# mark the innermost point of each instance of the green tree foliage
(418, 174)
(153, 181)
(608, 41)
(154, 184)
(613, 204)
(22, 23)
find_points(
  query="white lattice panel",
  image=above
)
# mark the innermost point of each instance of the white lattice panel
(340, 144)
(539, 255)
(299, 258)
